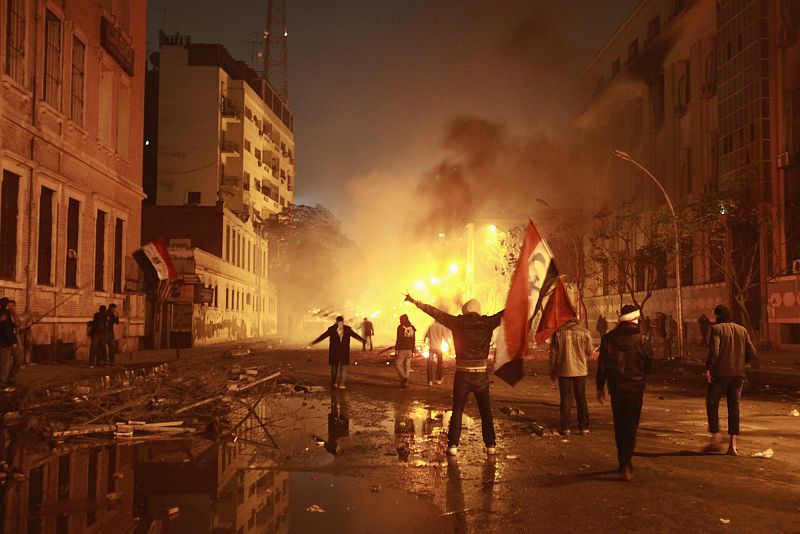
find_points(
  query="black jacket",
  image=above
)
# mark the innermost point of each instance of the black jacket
(472, 333)
(338, 349)
(625, 359)
(8, 330)
(405, 341)
(730, 350)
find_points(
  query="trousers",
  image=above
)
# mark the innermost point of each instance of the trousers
(435, 355)
(626, 408)
(338, 374)
(402, 363)
(731, 387)
(569, 387)
(478, 385)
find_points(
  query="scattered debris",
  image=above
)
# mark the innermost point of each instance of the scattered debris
(795, 413)
(768, 453)
(375, 488)
(510, 410)
(172, 511)
(724, 521)
(511, 456)
(315, 508)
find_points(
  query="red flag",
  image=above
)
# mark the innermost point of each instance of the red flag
(557, 312)
(533, 277)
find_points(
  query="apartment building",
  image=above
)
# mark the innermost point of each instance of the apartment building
(71, 109)
(698, 92)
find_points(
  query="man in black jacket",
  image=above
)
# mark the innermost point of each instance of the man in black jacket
(8, 344)
(339, 335)
(472, 335)
(625, 358)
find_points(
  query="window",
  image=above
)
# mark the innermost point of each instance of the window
(687, 262)
(710, 85)
(123, 119)
(63, 477)
(15, 40)
(100, 251)
(45, 259)
(71, 261)
(105, 106)
(193, 197)
(227, 299)
(52, 60)
(653, 27)
(683, 92)
(9, 210)
(118, 236)
(78, 75)
(657, 101)
(633, 50)
(227, 244)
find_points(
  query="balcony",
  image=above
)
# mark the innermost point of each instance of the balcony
(230, 148)
(232, 180)
(230, 114)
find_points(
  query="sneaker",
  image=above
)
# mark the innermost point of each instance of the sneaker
(564, 432)
(452, 450)
(8, 389)
(342, 386)
(584, 431)
(491, 451)
(439, 381)
(430, 382)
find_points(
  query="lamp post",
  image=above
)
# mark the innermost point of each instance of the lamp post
(678, 297)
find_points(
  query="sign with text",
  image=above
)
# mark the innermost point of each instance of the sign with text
(116, 44)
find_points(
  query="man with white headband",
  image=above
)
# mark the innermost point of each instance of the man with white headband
(625, 358)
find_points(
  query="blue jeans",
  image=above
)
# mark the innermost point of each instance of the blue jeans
(478, 385)
(434, 360)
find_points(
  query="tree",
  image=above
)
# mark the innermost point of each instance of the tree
(307, 250)
(629, 252)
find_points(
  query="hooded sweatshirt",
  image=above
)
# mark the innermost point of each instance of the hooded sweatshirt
(406, 335)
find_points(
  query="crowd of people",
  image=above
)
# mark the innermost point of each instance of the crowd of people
(624, 360)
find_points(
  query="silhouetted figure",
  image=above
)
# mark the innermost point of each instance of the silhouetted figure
(367, 331)
(98, 332)
(404, 347)
(625, 358)
(339, 335)
(338, 422)
(8, 347)
(705, 327)
(111, 338)
(570, 347)
(472, 335)
(437, 335)
(730, 351)
(602, 325)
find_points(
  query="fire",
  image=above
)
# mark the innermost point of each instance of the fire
(445, 347)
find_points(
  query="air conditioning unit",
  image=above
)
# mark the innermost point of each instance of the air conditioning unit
(786, 37)
(796, 267)
(709, 90)
(786, 159)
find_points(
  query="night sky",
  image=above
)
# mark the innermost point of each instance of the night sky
(373, 83)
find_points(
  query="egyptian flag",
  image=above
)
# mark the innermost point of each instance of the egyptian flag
(155, 262)
(557, 312)
(534, 278)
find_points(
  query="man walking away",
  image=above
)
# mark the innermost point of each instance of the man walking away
(367, 331)
(570, 347)
(17, 353)
(602, 325)
(8, 342)
(730, 351)
(436, 335)
(705, 327)
(472, 335)
(670, 334)
(113, 319)
(98, 330)
(404, 348)
(625, 358)
(339, 335)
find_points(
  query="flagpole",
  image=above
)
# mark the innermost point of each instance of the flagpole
(678, 297)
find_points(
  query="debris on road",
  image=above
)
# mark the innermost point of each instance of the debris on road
(510, 410)
(769, 453)
(375, 488)
(724, 521)
(315, 508)
(795, 413)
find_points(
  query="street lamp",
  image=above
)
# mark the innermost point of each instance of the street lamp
(678, 297)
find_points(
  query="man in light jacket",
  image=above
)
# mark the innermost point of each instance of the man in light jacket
(570, 347)
(730, 351)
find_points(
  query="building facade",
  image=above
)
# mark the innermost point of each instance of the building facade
(71, 109)
(698, 92)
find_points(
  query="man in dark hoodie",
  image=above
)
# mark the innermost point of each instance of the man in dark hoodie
(625, 358)
(8, 344)
(339, 335)
(472, 335)
(730, 351)
(404, 348)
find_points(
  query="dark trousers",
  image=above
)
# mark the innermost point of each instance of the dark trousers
(434, 354)
(731, 387)
(626, 407)
(112, 349)
(98, 353)
(569, 387)
(478, 385)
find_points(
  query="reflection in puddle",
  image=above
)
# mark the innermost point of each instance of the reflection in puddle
(237, 482)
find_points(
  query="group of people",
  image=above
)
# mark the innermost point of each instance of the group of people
(11, 348)
(103, 348)
(625, 359)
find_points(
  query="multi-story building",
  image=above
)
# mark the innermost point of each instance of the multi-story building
(698, 92)
(219, 159)
(71, 109)
(223, 132)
